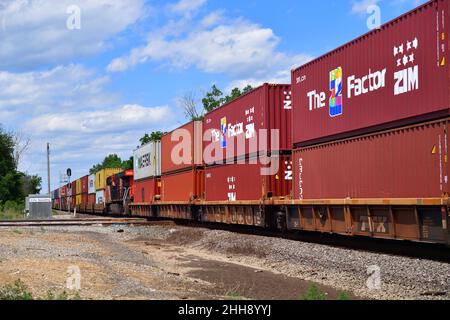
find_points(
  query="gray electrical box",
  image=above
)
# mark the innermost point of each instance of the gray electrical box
(38, 207)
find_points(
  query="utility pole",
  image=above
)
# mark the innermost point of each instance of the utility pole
(48, 168)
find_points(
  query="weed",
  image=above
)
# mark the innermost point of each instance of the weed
(20, 291)
(314, 293)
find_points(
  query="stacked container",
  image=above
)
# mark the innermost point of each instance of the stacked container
(245, 137)
(100, 183)
(91, 190)
(182, 164)
(363, 113)
(73, 197)
(147, 170)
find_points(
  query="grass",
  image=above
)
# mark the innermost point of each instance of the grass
(20, 291)
(9, 214)
(315, 294)
(17, 231)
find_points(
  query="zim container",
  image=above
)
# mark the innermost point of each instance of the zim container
(391, 77)
(146, 190)
(182, 148)
(411, 162)
(259, 121)
(183, 186)
(249, 182)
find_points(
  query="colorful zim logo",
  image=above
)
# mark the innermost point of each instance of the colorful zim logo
(336, 92)
(223, 136)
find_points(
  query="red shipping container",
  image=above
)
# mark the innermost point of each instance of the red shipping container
(182, 148)
(410, 162)
(268, 107)
(239, 182)
(74, 188)
(183, 186)
(91, 198)
(395, 76)
(146, 190)
(84, 198)
(64, 191)
(85, 184)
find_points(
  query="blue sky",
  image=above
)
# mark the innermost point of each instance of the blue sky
(95, 90)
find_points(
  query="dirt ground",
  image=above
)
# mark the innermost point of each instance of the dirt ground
(137, 263)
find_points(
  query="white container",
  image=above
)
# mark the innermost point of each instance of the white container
(147, 161)
(100, 197)
(91, 184)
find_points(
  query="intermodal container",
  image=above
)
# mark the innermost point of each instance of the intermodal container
(79, 199)
(146, 190)
(102, 175)
(74, 188)
(392, 76)
(182, 148)
(84, 184)
(100, 197)
(91, 184)
(411, 162)
(91, 198)
(183, 186)
(63, 191)
(78, 186)
(249, 182)
(259, 121)
(147, 161)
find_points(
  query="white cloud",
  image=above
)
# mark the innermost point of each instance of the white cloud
(361, 6)
(127, 117)
(71, 87)
(186, 6)
(240, 48)
(34, 32)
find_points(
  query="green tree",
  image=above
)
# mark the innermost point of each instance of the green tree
(212, 99)
(154, 136)
(31, 184)
(111, 161)
(10, 178)
(128, 164)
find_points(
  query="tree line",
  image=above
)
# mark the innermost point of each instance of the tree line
(15, 185)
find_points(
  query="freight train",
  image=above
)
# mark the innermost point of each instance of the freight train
(356, 145)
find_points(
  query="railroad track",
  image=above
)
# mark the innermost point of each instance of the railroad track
(76, 222)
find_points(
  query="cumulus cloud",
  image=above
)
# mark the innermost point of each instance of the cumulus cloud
(186, 6)
(61, 88)
(361, 6)
(34, 32)
(127, 117)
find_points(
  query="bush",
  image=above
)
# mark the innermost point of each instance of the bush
(314, 293)
(20, 291)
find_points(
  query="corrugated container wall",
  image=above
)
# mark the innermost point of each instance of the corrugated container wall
(182, 148)
(411, 162)
(84, 184)
(91, 187)
(390, 77)
(249, 182)
(241, 122)
(183, 186)
(102, 175)
(147, 161)
(74, 188)
(146, 190)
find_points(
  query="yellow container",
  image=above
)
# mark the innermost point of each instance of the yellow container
(78, 199)
(78, 186)
(100, 177)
